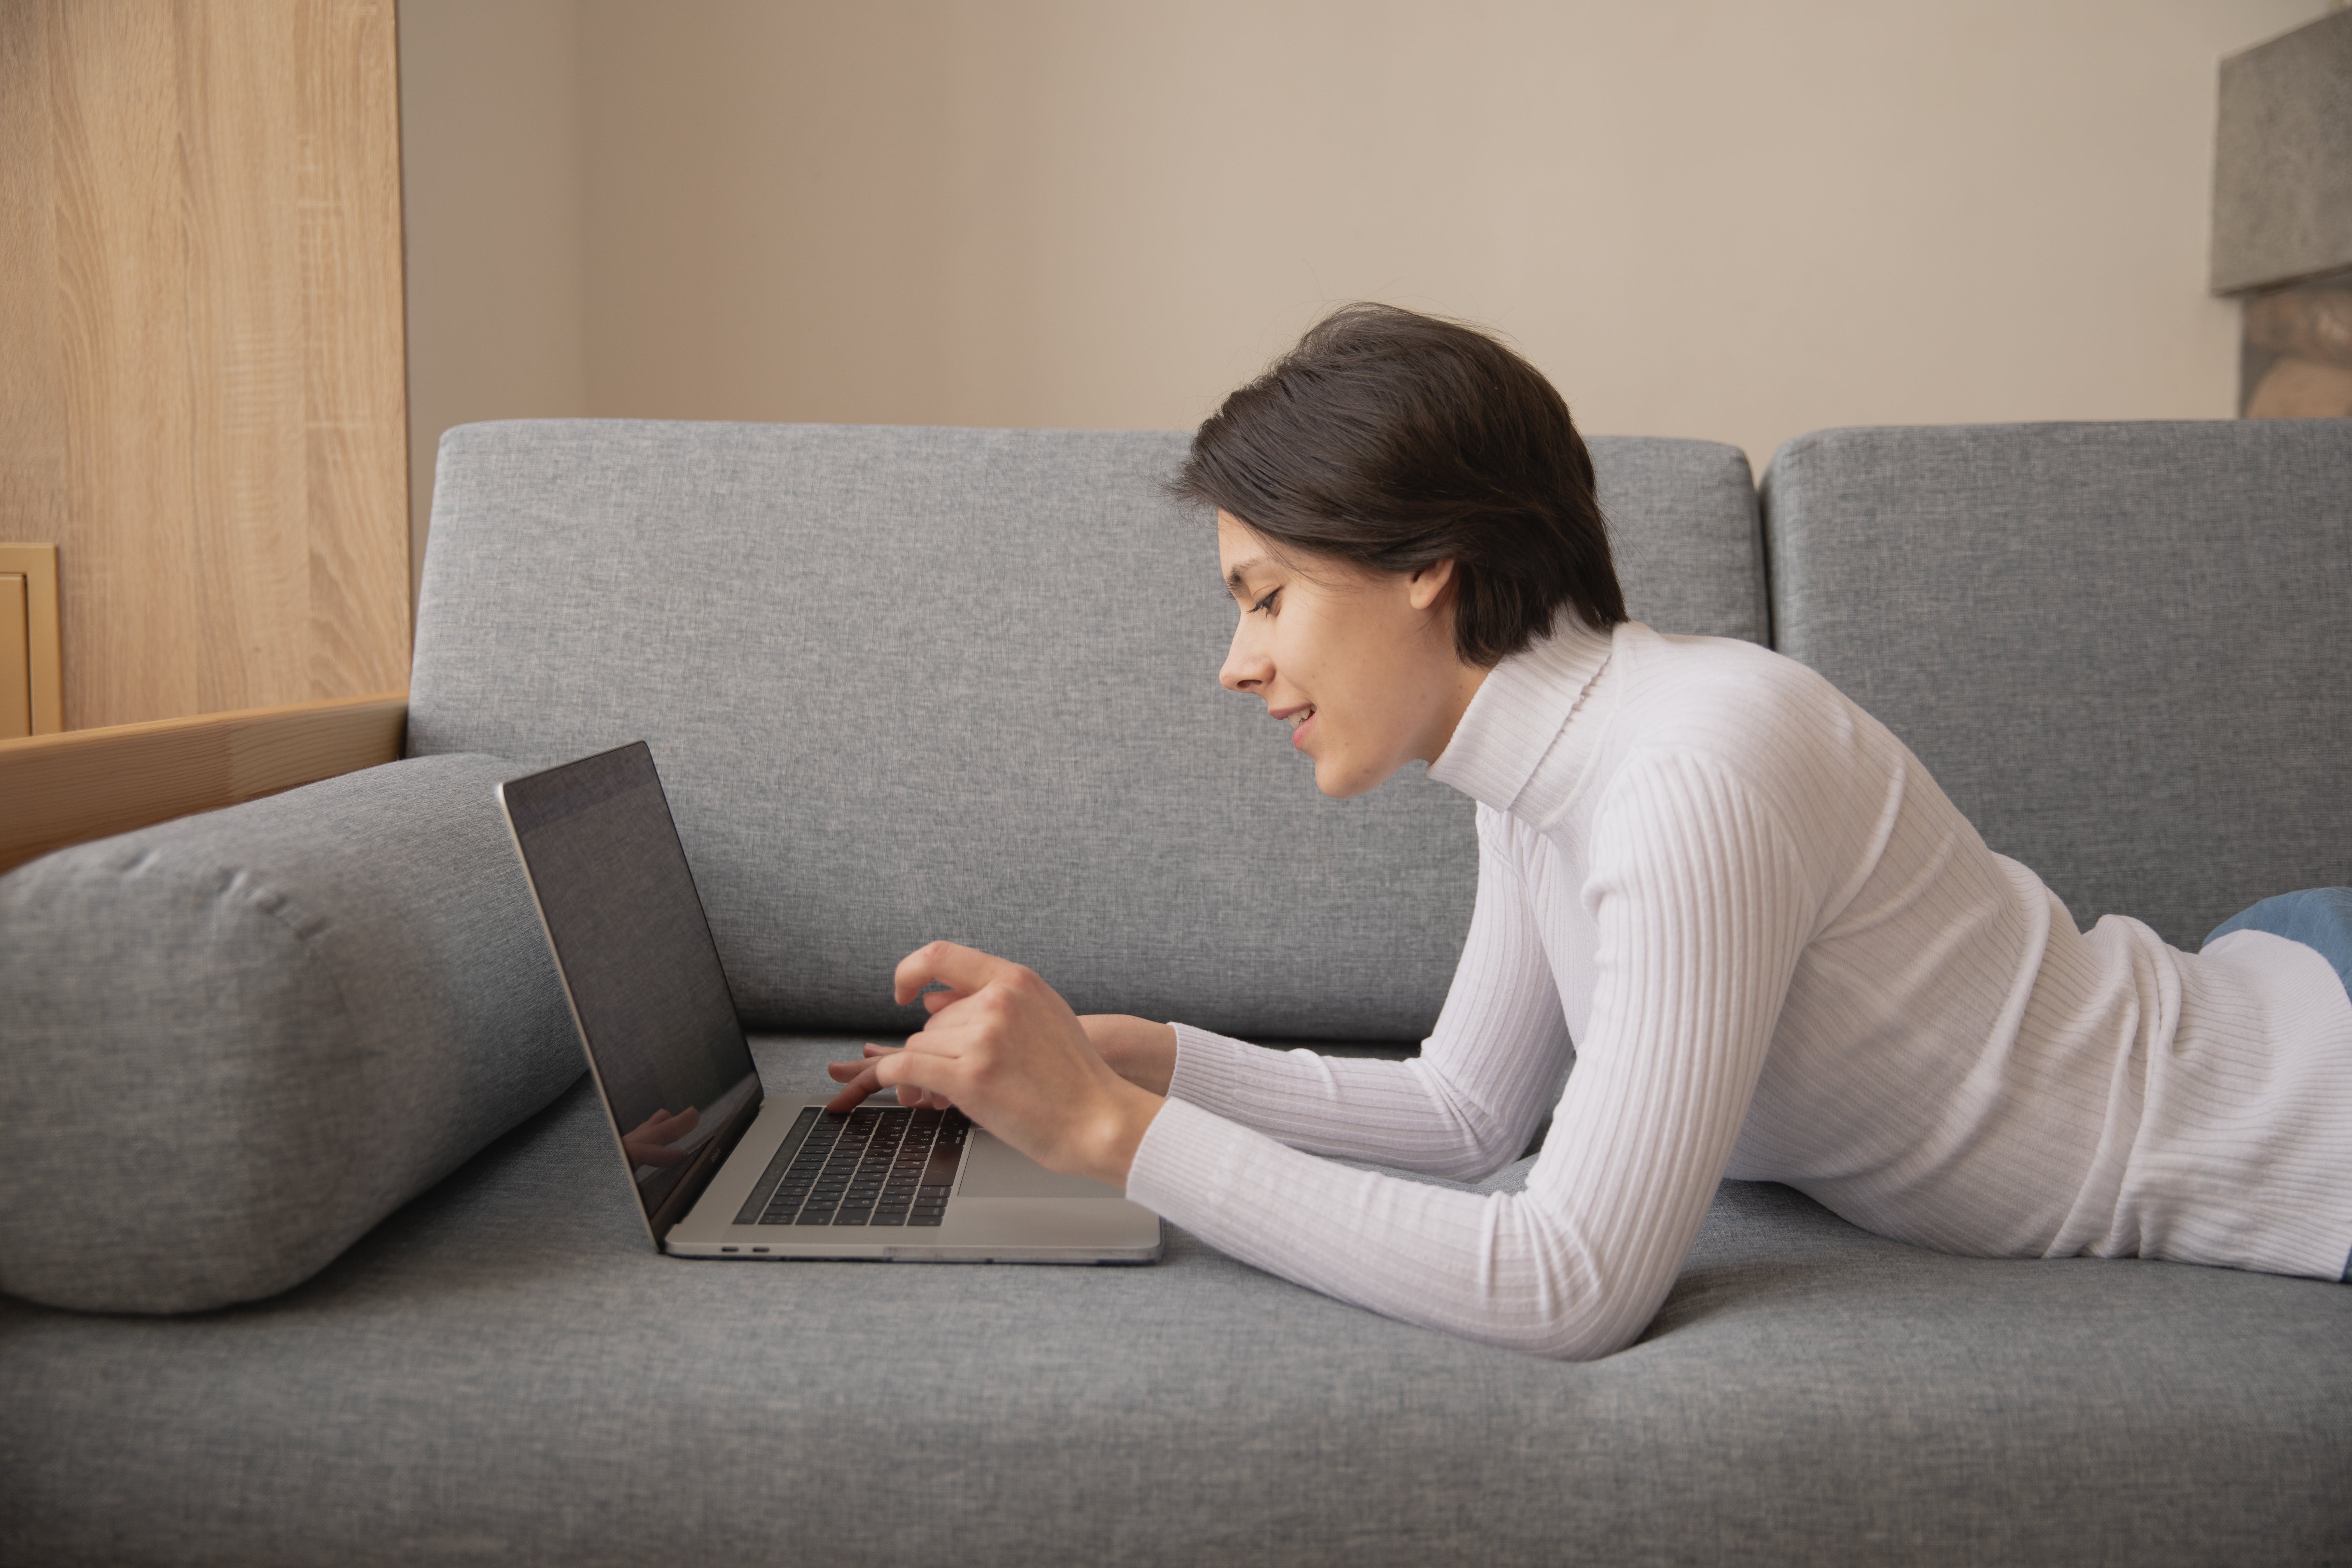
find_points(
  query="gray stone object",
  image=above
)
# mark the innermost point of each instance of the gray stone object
(2283, 160)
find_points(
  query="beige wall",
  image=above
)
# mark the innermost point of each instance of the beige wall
(493, 174)
(1735, 221)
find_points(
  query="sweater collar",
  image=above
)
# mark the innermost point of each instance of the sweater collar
(1518, 716)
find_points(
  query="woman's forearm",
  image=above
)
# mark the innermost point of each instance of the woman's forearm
(1395, 1113)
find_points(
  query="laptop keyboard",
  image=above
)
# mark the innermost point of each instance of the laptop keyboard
(878, 1165)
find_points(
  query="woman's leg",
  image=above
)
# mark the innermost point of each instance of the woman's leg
(2320, 919)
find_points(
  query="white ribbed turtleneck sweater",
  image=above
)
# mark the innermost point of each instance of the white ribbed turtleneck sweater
(1782, 955)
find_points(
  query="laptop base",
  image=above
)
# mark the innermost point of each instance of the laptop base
(1005, 1208)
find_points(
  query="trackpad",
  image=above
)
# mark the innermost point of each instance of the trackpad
(998, 1169)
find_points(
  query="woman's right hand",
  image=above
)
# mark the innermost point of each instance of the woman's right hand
(1139, 1050)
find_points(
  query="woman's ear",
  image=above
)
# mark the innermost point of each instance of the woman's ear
(1426, 586)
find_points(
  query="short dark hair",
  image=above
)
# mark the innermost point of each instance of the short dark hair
(1394, 440)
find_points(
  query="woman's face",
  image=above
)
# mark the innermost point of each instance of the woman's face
(1360, 664)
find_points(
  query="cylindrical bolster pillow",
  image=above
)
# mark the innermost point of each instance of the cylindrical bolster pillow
(232, 1043)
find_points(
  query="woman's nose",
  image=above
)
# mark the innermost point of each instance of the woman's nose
(1247, 666)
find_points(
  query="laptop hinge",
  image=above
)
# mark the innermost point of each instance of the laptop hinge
(707, 1162)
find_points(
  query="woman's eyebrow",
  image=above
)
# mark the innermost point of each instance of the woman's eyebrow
(1237, 579)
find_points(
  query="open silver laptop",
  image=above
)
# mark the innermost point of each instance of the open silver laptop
(720, 1169)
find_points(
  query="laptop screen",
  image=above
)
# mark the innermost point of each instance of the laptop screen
(635, 948)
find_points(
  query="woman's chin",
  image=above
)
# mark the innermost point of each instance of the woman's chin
(1340, 782)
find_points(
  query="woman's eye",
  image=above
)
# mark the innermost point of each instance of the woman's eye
(1267, 603)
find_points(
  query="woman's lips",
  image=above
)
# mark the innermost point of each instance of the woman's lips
(1299, 735)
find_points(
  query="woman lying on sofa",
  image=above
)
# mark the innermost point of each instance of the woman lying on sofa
(1782, 955)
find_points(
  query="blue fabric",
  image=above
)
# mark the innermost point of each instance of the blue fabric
(2320, 919)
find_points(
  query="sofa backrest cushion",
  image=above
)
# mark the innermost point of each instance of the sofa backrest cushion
(907, 683)
(2119, 648)
(232, 1043)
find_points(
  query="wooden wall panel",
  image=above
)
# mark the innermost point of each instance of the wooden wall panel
(32, 411)
(127, 559)
(239, 115)
(201, 378)
(357, 388)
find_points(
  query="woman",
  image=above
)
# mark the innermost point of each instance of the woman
(1781, 953)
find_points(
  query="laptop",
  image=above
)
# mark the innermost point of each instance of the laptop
(721, 1168)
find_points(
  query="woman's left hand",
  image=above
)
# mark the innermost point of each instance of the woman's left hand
(1004, 1046)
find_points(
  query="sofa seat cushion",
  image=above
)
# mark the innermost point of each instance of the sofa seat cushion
(232, 1043)
(506, 1371)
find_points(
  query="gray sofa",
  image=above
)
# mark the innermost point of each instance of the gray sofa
(321, 1253)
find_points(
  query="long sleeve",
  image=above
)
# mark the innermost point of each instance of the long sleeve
(1703, 906)
(1465, 1107)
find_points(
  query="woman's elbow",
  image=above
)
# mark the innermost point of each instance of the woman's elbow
(1495, 1145)
(1581, 1339)
(1574, 1336)
(1564, 1303)
(1474, 1157)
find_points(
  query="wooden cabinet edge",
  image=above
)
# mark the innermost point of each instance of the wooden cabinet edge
(58, 790)
(38, 565)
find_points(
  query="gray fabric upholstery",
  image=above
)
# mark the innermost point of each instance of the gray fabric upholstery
(505, 1371)
(915, 683)
(1684, 531)
(231, 1044)
(2120, 648)
(847, 647)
